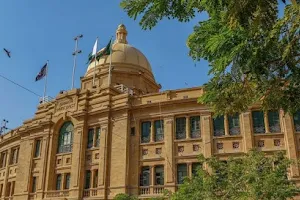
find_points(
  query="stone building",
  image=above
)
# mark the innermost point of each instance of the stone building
(128, 137)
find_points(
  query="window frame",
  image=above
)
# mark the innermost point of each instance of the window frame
(58, 182)
(180, 179)
(65, 139)
(180, 128)
(87, 179)
(217, 130)
(34, 184)
(274, 126)
(90, 138)
(145, 175)
(263, 125)
(158, 131)
(161, 175)
(195, 121)
(37, 154)
(145, 138)
(233, 129)
(67, 181)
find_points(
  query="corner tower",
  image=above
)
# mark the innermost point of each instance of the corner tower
(130, 68)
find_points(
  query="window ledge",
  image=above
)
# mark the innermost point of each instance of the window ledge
(227, 137)
(152, 143)
(37, 158)
(13, 165)
(62, 154)
(188, 139)
(267, 134)
(92, 149)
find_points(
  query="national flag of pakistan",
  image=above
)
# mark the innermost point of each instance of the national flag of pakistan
(103, 52)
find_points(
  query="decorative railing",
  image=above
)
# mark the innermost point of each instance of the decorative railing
(219, 132)
(159, 137)
(124, 89)
(92, 192)
(151, 190)
(195, 134)
(259, 129)
(158, 189)
(144, 190)
(45, 99)
(57, 193)
(234, 131)
(145, 139)
(275, 128)
(180, 135)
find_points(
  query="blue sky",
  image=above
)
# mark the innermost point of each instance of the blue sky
(36, 31)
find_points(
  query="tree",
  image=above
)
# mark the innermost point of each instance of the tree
(253, 52)
(124, 197)
(253, 176)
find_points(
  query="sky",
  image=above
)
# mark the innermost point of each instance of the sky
(35, 31)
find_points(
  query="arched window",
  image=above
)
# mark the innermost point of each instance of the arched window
(65, 139)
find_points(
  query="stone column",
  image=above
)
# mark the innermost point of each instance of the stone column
(170, 179)
(267, 127)
(63, 178)
(94, 137)
(78, 153)
(187, 127)
(247, 129)
(189, 166)
(152, 136)
(92, 178)
(103, 153)
(291, 143)
(8, 155)
(152, 178)
(226, 125)
(206, 120)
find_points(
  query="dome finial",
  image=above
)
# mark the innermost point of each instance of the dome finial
(121, 34)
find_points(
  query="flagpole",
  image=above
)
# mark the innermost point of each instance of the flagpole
(76, 51)
(94, 76)
(109, 70)
(45, 88)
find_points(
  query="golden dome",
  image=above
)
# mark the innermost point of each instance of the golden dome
(122, 53)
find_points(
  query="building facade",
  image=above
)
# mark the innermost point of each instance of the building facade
(122, 135)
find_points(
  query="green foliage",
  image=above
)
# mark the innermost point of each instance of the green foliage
(125, 197)
(254, 54)
(251, 177)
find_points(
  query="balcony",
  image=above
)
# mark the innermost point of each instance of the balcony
(57, 193)
(151, 190)
(93, 192)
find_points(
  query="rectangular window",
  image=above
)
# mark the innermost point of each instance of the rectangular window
(145, 176)
(181, 173)
(297, 121)
(274, 122)
(34, 182)
(146, 130)
(195, 168)
(90, 138)
(234, 124)
(68, 178)
(58, 181)
(97, 136)
(219, 129)
(95, 184)
(195, 127)
(37, 148)
(3, 159)
(180, 128)
(87, 179)
(159, 130)
(258, 122)
(159, 175)
(14, 156)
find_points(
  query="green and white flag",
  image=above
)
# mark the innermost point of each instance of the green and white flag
(104, 51)
(93, 53)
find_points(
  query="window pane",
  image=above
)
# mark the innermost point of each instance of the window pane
(195, 126)
(181, 172)
(145, 176)
(146, 129)
(258, 122)
(87, 179)
(219, 126)
(65, 138)
(33, 190)
(68, 177)
(90, 138)
(58, 181)
(234, 124)
(180, 128)
(159, 130)
(159, 175)
(195, 167)
(297, 121)
(97, 136)
(37, 148)
(274, 122)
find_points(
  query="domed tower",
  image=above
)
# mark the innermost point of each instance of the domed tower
(130, 68)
